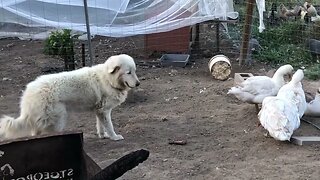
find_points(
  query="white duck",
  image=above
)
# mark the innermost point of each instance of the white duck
(313, 107)
(254, 89)
(280, 115)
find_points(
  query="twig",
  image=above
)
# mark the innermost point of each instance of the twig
(178, 142)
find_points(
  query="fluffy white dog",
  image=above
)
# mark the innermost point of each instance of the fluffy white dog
(99, 88)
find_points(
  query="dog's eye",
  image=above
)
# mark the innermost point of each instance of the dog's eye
(129, 72)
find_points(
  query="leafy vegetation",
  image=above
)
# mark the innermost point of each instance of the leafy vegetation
(313, 72)
(61, 43)
(286, 44)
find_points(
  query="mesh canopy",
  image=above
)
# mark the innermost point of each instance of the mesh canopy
(115, 18)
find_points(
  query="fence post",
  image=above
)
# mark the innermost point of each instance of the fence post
(246, 31)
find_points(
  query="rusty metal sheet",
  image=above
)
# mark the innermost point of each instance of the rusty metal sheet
(58, 156)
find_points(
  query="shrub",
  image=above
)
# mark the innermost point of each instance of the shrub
(61, 43)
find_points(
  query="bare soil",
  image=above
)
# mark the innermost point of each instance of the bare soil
(223, 139)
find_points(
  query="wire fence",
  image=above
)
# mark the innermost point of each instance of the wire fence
(291, 35)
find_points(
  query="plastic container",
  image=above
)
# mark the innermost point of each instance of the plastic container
(177, 60)
(220, 67)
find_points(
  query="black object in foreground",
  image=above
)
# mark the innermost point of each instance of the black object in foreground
(122, 165)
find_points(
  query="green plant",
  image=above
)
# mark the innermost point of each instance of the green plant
(287, 33)
(315, 30)
(313, 72)
(61, 43)
(284, 44)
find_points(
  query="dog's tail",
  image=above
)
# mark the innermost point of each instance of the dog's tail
(12, 128)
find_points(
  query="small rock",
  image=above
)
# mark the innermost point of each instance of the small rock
(6, 79)
(202, 90)
(173, 71)
(139, 90)
(143, 78)
(164, 119)
(10, 45)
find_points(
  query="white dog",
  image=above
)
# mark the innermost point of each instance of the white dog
(99, 88)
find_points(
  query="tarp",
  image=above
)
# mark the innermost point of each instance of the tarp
(115, 18)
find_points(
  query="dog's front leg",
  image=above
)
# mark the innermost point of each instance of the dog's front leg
(105, 127)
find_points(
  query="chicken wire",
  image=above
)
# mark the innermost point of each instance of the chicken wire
(114, 18)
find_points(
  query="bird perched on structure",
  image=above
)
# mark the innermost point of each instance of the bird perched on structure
(254, 89)
(280, 115)
(311, 11)
(285, 13)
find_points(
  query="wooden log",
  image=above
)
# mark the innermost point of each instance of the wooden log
(122, 165)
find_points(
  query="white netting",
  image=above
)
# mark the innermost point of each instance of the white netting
(115, 18)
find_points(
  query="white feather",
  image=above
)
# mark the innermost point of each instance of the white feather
(280, 115)
(256, 88)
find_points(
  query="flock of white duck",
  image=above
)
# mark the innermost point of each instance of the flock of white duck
(283, 104)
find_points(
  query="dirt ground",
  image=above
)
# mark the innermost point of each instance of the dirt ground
(223, 140)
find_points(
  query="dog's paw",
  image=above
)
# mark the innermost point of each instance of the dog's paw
(117, 137)
(103, 135)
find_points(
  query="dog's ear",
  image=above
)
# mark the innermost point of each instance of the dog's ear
(114, 69)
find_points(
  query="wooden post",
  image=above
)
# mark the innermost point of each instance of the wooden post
(196, 39)
(246, 31)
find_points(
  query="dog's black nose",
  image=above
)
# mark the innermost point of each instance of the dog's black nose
(138, 83)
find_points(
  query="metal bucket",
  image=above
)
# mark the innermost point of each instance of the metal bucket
(220, 67)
